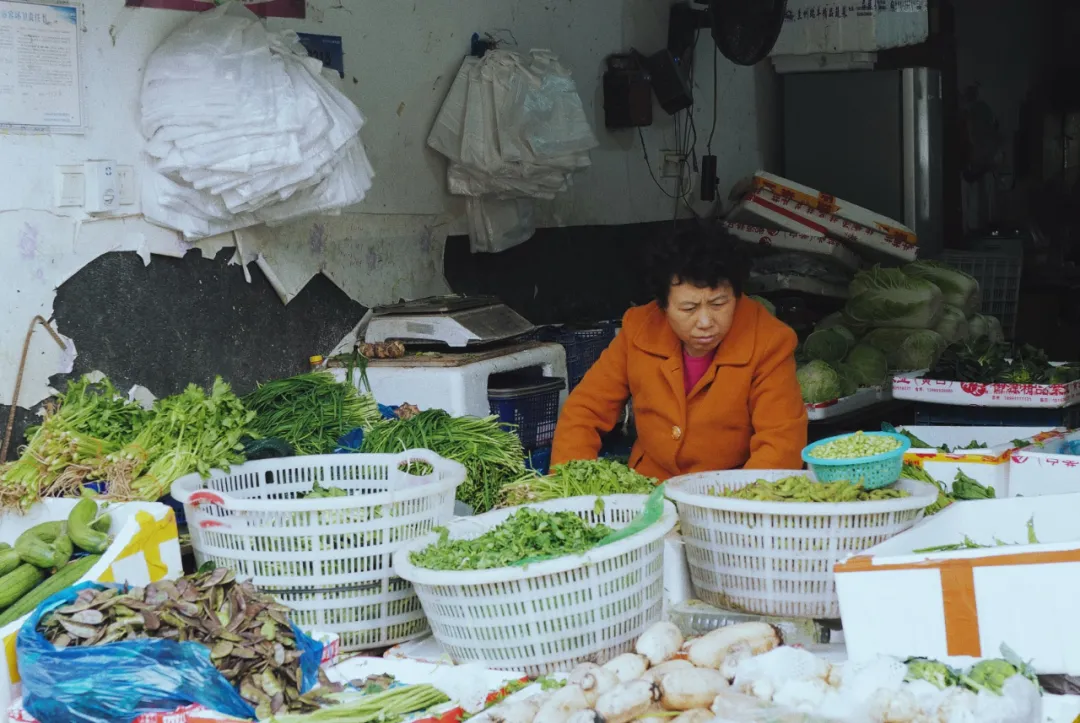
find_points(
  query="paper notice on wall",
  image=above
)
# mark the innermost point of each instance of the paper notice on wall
(40, 87)
(848, 26)
(263, 8)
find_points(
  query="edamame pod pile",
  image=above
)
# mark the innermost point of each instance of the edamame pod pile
(855, 446)
(804, 489)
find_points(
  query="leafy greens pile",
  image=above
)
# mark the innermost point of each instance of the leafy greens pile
(988, 362)
(88, 422)
(524, 535)
(577, 479)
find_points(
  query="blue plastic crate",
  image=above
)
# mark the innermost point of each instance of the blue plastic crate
(539, 460)
(583, 347)
(530, 407)
(960, 416)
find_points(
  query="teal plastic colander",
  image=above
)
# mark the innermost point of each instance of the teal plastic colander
(875, 472)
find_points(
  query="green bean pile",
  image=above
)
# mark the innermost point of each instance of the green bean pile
(311, 411)
(492, 456)
(804, 489)
(854, 446)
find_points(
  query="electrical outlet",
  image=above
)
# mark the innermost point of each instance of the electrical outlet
(672, 166)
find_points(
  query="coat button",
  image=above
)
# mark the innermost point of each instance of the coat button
(676, 433)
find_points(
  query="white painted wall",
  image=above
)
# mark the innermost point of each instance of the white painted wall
(400, 58)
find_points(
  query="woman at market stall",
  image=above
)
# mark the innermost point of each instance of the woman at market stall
(711, 372)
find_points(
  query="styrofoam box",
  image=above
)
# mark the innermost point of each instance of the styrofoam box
(861, 399)
(952, 605)
(818, 245)
(772, 209)
(460, 391)
(812, 27)
(1045, 468)
(989, 467)
(145, 548)
(917, 388)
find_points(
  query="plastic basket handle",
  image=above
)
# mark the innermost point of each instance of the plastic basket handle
(420, 455)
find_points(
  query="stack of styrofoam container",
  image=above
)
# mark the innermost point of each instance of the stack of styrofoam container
(968, 603)
(775, 202)
(1046, 467)
(989, 466)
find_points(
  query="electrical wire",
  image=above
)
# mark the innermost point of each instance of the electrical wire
(708, 146)
(648, 166)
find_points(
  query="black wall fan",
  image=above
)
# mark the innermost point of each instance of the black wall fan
(745, 31)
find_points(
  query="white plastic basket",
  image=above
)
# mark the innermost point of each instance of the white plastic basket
(777, 558)
(329, 559)
(548, 616)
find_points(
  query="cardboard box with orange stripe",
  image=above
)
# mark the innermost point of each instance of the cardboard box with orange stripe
(988, 466)
(145, 549)
(966, 603)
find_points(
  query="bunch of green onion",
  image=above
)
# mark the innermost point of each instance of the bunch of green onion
(311, 411)
(388, 706)
(492, 456)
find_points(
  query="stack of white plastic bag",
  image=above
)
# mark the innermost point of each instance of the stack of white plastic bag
(514, 130)
(243, 128)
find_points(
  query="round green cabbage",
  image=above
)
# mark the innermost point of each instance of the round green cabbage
(959, 289)
(819, 382)
(907, 349)
(889, 298)
(848, 384)
(771, 307)
(953, 325)
(868, 366)
(837, 319)
(829, 345)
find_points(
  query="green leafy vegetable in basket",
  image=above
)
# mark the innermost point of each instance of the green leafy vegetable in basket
(804, 489)
(523, 535)
(492, 456)
(576, 479)
(855, 446)
(310, 411)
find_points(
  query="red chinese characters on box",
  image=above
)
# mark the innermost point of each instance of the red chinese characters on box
(262, 8)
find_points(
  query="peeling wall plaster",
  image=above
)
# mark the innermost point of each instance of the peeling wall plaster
(400, 58)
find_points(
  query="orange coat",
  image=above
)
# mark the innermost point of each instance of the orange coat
(747, 411)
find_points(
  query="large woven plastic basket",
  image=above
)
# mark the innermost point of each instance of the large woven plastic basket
(329, 559)
(548, 616)
(777, 558)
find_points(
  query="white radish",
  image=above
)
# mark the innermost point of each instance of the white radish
(628, 666)
(627, 701)
(690, 689)
(593, 680)
(659, 643)
(698, 715)
(585, 716)
(657, 674)
(562, 704)
(740, 641)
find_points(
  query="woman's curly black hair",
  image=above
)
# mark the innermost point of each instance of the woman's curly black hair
(704, 256)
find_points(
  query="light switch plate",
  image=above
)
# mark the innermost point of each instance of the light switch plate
(125, 176)
(70, 186)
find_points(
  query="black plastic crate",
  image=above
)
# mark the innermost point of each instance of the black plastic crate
(959, 416)
(583, 347)
(529, 405)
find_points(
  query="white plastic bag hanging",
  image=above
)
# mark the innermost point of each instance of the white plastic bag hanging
(243, 128)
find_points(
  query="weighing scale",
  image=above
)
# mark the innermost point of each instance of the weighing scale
(447, 321)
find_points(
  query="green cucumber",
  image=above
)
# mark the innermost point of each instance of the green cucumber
(9, 560)
(46, 545)
(18, 583)
(81, 529)
(64, 578)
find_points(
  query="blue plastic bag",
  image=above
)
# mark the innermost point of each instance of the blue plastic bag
(354, 440)
(118, 682)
